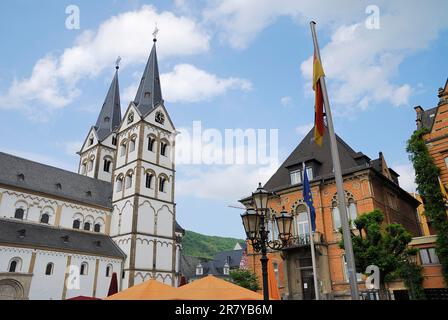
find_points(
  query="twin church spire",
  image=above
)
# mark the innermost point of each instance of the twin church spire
(149, 95)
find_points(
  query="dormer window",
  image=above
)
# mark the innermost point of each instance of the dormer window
(226, 269)
(309, 173)
(89, 193)
(199, 270)
(106, 119)
(58, 186)
(21, 177)
(147, 94)
(296, 176)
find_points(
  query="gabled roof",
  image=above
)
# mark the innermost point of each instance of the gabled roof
(43, 178)
(110, 116)
(149, 93)
(49, 237)
(308, 151)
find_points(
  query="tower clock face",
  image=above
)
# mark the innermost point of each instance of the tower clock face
(160, 117)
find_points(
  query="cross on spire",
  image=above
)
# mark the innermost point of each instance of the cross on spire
(154, 34)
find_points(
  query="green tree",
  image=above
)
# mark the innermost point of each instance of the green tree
(427, 179)
(245, 278)
(383, 246)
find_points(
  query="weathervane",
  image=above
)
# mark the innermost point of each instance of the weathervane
(156, 31)
(117, 63)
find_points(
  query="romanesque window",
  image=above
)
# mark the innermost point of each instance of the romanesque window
(15, 265)
(149, 178)
(87, 226)
(19, 213)
(90, 141)
(45, 218)
(163, 148)
(119, 185)
(84, 269)
(84, 168)
(76, 224)
(114, 140)
(123, 148)
(108, 270)
(162, 182)
(107, 164)
(151, 141)
(90, 167)
(132, 145)
(128, 180)
(97, 227)
(49, 269)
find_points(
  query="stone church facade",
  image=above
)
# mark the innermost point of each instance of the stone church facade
(64, 234)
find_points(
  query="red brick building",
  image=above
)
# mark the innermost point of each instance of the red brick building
(368, 184)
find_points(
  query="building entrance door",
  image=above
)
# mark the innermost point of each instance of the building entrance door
(308, 284)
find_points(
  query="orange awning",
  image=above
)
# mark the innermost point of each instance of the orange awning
(148, 290)
(212, 288)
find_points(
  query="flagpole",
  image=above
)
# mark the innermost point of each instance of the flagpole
(339, 182)
(313, 253)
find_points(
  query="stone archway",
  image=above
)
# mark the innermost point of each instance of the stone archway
(11, 289)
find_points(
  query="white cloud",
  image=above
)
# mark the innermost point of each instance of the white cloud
(407, 176)
(304, 129)
(53, 81)
(361, 64)
(229, 183)
(186, 83)
(71, 147)
(286, 101)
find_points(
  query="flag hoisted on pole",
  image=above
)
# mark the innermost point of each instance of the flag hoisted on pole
(319, 76)
(308, 198)
(318, 73)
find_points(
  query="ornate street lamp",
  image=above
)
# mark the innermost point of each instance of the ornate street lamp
(254, 225)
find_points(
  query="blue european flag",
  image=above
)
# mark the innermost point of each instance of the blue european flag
(308, 198)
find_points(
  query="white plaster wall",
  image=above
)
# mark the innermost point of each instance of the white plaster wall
(164, 254)
(8, 253)
(103, 282)
(144, 252)
(124, 243)
(165, 221)
(146, 217)
(85, 287)
(48, 287)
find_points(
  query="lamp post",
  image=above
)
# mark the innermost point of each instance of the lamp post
(254, 224)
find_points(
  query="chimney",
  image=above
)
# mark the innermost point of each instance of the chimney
(419, 110)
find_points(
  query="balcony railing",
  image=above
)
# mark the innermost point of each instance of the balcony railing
(300, 240)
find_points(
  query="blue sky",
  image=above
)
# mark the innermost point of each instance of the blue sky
(229, 64)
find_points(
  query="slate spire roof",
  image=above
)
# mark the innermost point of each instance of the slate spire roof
(149, 93)
(110, 116)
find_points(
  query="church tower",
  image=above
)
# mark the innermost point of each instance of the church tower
(143, 220)
(97, 155)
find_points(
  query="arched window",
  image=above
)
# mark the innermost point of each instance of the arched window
(90, 141)
(90, 167)
(49, 269)
(162, 181)
(149, 178)
(128, 180)
(123, 148)
(97, 227)
(163, 148)
(151, 141)
(119, 185)
(15, 265)
(19, 213)
(87, 226)
(114, 140)
(109, 270)
(84, 168)
(76, 224)
(45, 218)
(107, 164)
(352, 212)
(302, 226)
(132, 145)
(336, 216)
(84, 269)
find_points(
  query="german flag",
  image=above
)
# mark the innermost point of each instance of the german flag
(318, 72)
